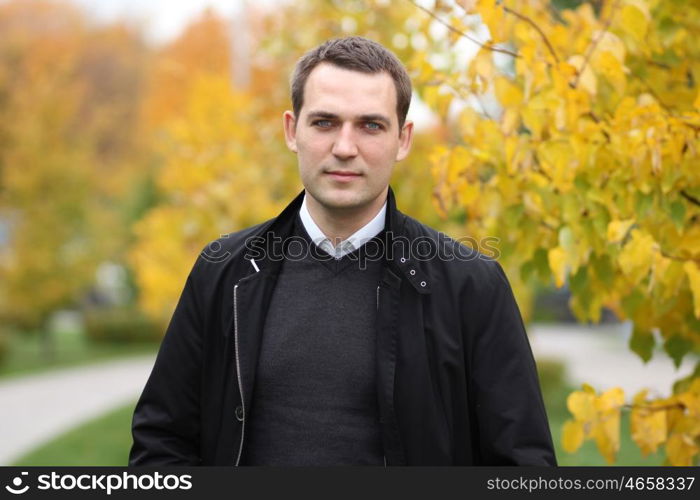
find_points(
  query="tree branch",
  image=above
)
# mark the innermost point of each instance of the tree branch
(537, 28)
(594, 44)
(538, 167)
(692, 199)
(654, 408)
(462, 33)
(523, 17)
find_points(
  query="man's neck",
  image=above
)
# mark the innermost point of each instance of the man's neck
(339, 224)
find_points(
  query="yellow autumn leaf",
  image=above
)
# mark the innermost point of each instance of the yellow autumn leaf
(482, 64)
(685, 423)
(692, 404)
(607, 65)
(648, 425)
(617, 229)
(572, 435)
(610, 400)
(507, 92)
(635, 259)
(680, 449)
(437, 98)
(609, 42)
(459, 166)
(634, 19)
(689, 244)
(606, 433)
(586, 79)
(470, 193)
(510, 121)
(492, 16)
(557, 159)
(581, 405)
(557, 263)
(693, 272)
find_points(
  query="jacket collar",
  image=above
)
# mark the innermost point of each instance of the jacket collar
(398, 243)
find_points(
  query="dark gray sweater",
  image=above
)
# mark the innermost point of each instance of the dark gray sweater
(315, 400)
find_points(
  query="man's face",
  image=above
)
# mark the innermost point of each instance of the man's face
(347, 138)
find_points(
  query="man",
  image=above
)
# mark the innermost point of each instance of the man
(343, 331)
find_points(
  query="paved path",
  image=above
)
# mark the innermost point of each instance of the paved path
(599, 356)
(39, 407)
(36, 408)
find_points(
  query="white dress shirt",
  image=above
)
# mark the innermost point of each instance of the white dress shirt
(355, 241)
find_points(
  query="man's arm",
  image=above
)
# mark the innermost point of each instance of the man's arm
(510, 414)
(166, 421)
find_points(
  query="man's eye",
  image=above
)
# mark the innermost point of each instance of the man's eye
(322, 123)
(373, 126)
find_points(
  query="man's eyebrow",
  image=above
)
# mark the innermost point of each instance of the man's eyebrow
(375, 117)
(321, 114)
(372, 117)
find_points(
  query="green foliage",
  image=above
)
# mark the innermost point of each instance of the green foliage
(25, 352)
(4, 345)
(122, 325)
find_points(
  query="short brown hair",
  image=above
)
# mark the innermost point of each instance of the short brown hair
(358, 54)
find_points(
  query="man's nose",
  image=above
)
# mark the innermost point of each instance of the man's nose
(344, 146)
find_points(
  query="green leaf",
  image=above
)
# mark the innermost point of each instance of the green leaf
(678, 214)
(642, 343)
(526, 270)
(683, 384)
(603, 269)
(513, 214)
(631, 302)
(601, 220)
(579, 282)
(642, 203)
(541, 262)
(677, 347)
(581, 183)
(692, 322)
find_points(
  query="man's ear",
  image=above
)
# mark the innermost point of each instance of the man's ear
(405, 140)
(290, 130)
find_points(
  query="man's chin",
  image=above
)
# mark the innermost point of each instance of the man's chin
(335, 200)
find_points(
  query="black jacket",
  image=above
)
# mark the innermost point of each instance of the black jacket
(456, 380)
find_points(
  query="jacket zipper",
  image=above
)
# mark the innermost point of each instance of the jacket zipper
(238, 368)
(385, 462)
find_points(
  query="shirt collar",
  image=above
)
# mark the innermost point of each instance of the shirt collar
(353, 242)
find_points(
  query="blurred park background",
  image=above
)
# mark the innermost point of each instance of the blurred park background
(132, 134)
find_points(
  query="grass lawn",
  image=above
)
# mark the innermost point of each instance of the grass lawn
(107, 440)
(25, 354)
(104, 441)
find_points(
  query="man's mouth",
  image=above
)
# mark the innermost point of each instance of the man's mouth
(344, 173)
